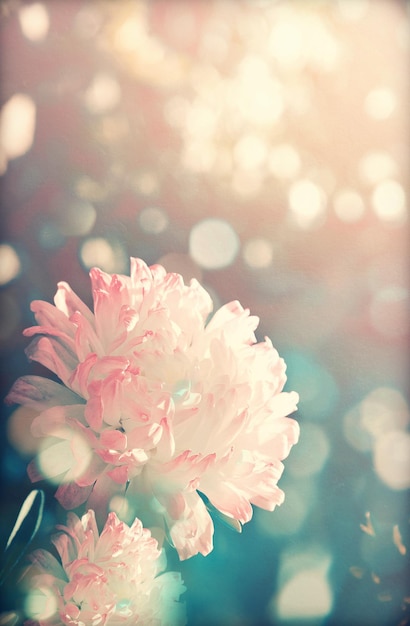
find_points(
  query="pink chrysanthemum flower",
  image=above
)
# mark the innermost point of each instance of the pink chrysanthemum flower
(107, 579)
(158, 403)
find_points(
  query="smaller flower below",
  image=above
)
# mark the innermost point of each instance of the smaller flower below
(108, 579)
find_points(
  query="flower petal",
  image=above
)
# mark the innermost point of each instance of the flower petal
(38, 393)
(71, 495)
(69, 303)
(192, 532)
(54, 356)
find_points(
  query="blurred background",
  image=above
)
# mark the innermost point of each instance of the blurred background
(261, 146)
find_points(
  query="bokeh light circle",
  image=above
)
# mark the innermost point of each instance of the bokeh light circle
(392, 459)
(40, 603)
(10, 265)
(34, 21)
(305, 592)
(389, 202)
(307, 204)
(17, 125)
(311, 453)
(103, 94)
(76, 218)
(258, 252)
(153, 220)
(100, 252)
(213, 243)
(377, 165)
(64, 456)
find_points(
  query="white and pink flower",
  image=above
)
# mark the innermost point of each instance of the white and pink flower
(108, 579)
(158, 403)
